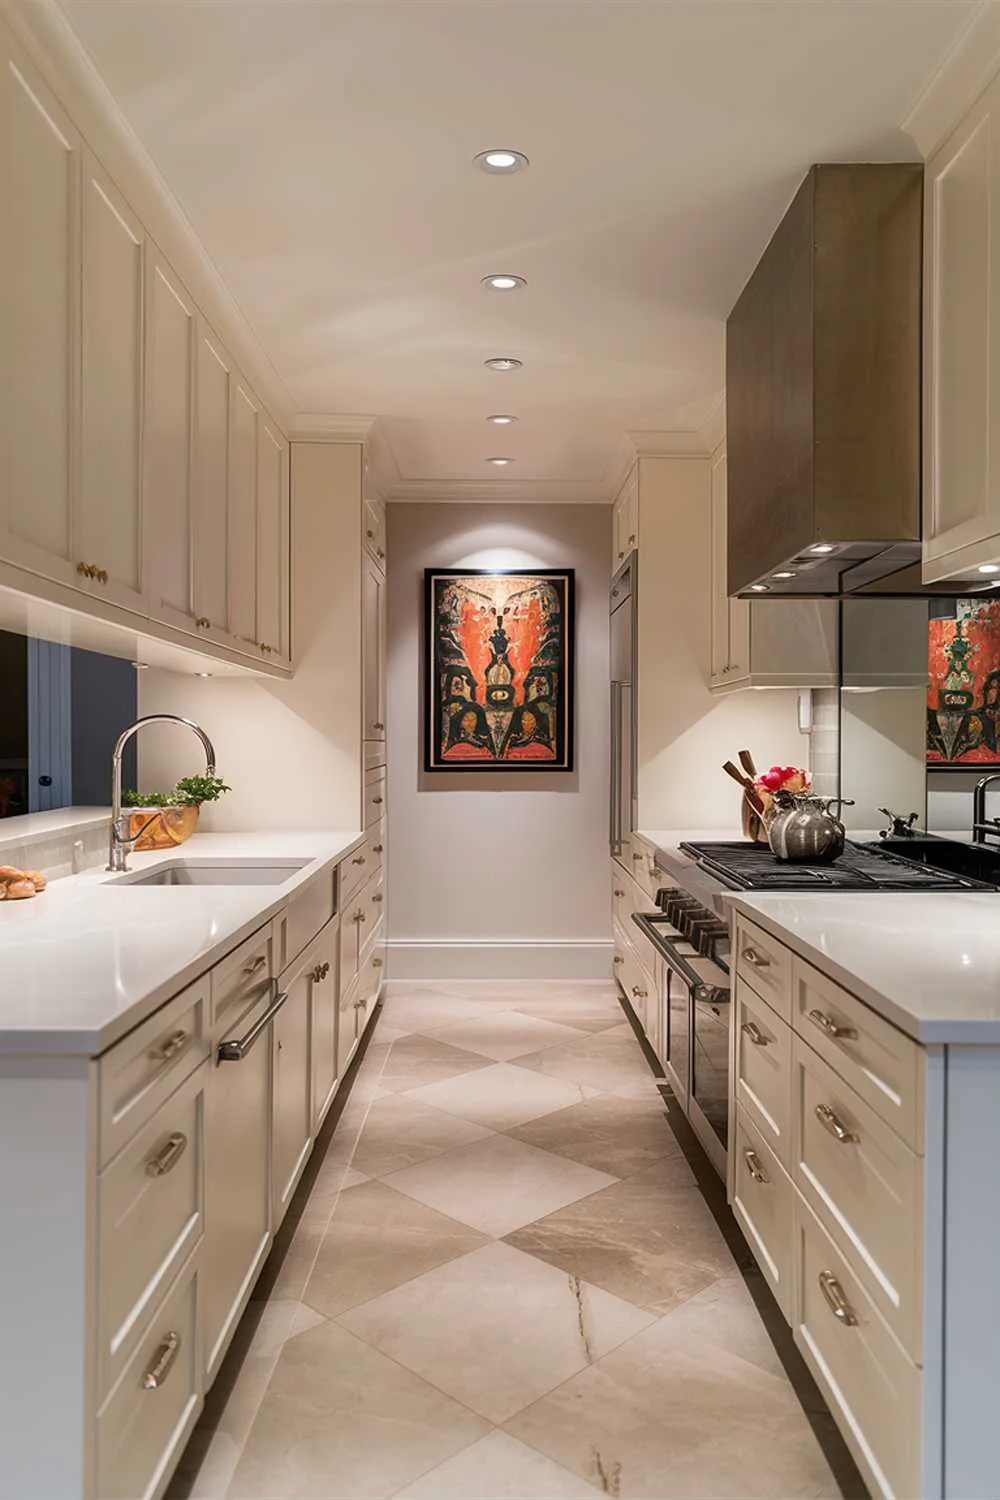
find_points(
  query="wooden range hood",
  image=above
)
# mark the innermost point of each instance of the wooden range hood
(823, 390)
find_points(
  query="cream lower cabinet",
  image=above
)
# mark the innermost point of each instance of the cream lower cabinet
(858, 1165)
(169, 1162)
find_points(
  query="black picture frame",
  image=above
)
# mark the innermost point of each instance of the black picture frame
(503, 739)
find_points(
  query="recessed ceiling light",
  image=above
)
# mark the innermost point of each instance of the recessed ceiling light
(203, 674)
(990, 568)
(501, 163)
(503, 282)
(503, 362)
(783, 575)
(823, 547)
(759, 588)
(501, 419)
(140, 666)
(499, 461)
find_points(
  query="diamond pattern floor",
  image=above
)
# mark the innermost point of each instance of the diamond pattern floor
(505, 1283)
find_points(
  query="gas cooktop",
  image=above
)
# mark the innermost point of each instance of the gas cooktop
(752, 867)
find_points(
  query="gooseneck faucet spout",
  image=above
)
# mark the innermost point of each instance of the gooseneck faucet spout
(120, 841)
(980, 828)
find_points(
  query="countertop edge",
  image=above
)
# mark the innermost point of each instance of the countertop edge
(33, 1041)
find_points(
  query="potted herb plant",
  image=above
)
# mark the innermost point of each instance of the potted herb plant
(160, 820)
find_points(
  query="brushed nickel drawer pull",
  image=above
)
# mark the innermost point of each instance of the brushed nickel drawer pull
(378, 725)
(378, 849)
(168, 1155)
(378, 801)
(237, 1049)
(637, 856)
(378, 896)
(753, 1031)
(830, 1028)
(638, 992)
(376, 963)
(163, 1361)
(255, 964)
(835, 1125)
(618, 892)
(174, 1044)
(755, 1167)
(836, 1300)
(358, 859)
(757, 959)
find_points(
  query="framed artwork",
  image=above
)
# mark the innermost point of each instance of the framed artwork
(499, 670)
(963, 691)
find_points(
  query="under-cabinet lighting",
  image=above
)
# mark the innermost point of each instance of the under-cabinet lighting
(140, 666)
(760, 588)
(500, 462)
(989, 568)
(782, 575)
(823, 547)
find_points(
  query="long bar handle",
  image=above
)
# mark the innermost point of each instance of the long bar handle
(831, 1028)
(615, 836)
(168, 1155)
(236, 1051)
(163, 1361)
(753, 1031)
(835, 1125)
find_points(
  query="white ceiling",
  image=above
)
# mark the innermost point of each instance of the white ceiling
(322, 151)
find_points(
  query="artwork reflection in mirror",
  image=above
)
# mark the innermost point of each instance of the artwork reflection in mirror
(963, 693)
(499, 670)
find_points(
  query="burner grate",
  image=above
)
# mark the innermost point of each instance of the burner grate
(753, 867)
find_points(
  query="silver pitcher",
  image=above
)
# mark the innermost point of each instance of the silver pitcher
(803, 828)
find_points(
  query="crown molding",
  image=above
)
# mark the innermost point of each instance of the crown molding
(685, 443)
(963, 73)
(496, 492)
(329, 427)
(68, 69)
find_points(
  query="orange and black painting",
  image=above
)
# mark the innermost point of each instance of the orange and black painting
(963, 691)
(499, 670)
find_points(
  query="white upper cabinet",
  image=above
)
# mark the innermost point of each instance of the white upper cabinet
(273, 562)
(210, 463)
(765, 642)
(171, 328)
(625, 520)
(108, 531)
(242, 549)
(962, 347)
(39, 322)
(373, 650)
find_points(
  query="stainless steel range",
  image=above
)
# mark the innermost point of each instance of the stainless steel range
(693, 942)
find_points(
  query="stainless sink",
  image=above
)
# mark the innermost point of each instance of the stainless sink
(215, 872)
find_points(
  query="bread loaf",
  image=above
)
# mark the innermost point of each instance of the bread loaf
(19, 890)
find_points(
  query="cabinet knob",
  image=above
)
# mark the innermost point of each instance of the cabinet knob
(378, 726)
(378, 896)
(203, 623)
(378, 801)
(618, 959)
(620, 556)
(632, 539)
(618, 892)
(640, 994)
(377, 849)
(370, 535)
(358, 859)
(381, 553)
(376, 963)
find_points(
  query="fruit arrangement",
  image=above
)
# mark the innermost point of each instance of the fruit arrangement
(19, 885)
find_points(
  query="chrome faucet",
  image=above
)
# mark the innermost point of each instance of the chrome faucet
(980, 827)
(120, 841)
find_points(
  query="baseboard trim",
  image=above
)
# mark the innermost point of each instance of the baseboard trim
(505, 958)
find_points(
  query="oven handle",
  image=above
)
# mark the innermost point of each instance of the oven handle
(679, 964)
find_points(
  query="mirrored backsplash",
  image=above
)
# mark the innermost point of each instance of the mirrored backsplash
(61, 710)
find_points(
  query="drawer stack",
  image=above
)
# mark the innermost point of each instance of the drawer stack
(633, 888)
(826, 1181)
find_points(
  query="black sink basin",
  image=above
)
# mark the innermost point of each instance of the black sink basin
(975, 861)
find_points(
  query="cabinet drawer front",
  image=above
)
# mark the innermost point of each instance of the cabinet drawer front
(371, 901)
(149, 1415)
(307, 912)
(242, 978)
(357, 867)
(323, 1021)
(375, 529)
(150, 1217)
(374, 754)
(873, 1389)
(371, 976)
(638, 986)
(883, 1065)
(763, 1202)
(374, 797)
(766, 965)
(763, 1075)
(865, 1185)
(644, 869)
(137, 1075)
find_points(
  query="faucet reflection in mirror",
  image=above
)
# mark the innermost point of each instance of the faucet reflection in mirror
(121, 839)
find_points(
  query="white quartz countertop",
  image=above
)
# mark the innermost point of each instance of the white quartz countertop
(90, 958)
(928, 961)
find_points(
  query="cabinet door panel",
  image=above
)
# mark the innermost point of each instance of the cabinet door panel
(109, 534)
(243, 516)
(291, 1120)
(323, 1025)
(373, 651)
(211, 482)
(272, 544)
(167, 455)
(720, 600)
(39, 324)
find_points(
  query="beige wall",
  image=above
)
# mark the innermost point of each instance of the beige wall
(290, 750)
(684, 732)
(498, 875)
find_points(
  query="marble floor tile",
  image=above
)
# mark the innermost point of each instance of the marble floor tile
(426, 1008)
(399, 1131)
(496, 1328)
(419, 1060)
(612, 1134)
(501, 1095)
(725, 1316)
(650, 1239)
(587, 1010)
(505, 1034)
(377, 1239)
(671, 1416)
(498, 1467)
(286, 1271)
(498, 1184)
(339, 1421)
(610, 1059)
